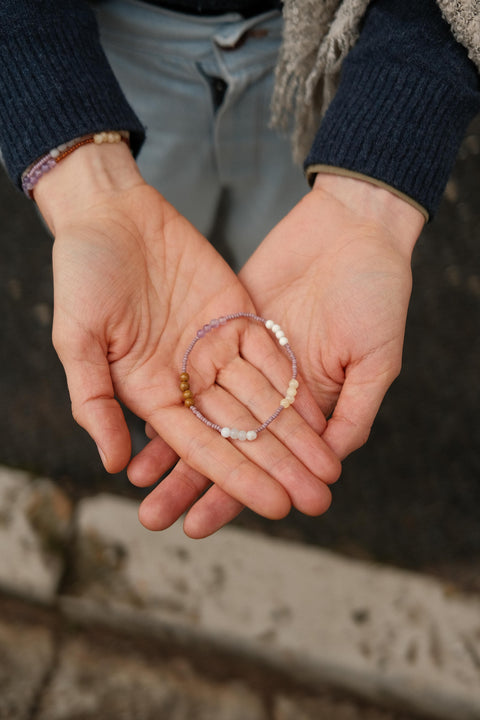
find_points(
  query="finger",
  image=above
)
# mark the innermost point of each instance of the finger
(94, 406)
(176, 493)
(256, 393)
(264, 354)
(153, 461)
(204, 450)
(150, 431)
(172, 497)
(305, 490)
(357, 406)
(213, 511)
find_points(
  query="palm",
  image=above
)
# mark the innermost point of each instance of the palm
(129, 296)
(345, 290)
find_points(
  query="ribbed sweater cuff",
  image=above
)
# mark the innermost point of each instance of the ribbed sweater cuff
(397, 126)
(56, 84)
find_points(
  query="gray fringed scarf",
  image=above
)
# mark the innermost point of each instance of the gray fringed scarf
(318, 34)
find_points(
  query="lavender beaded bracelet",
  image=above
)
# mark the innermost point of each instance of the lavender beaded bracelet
(289, 398)
(47, 162)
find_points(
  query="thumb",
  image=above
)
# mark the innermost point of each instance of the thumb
(94, 406)
(358, 403)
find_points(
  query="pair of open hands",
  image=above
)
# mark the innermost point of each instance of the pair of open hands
(133, 281)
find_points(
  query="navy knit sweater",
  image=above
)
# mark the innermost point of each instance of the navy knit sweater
(407, 93)
(406, 96)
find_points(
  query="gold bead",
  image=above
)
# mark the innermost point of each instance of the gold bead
(184, 377)
(188, 402)
(187, 394)
(184, 386)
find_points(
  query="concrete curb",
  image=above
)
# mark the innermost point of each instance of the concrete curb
(35, 525)
(387, 635)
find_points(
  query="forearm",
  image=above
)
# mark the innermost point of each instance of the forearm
(406, 96)
(365, 205)
(81, 179)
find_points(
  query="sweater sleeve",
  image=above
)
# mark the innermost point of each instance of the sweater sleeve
(55, 81)
(406, 96)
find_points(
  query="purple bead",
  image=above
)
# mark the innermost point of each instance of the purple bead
(214, 323)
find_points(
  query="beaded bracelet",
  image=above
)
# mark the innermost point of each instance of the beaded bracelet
(47, 162)
(187, 394)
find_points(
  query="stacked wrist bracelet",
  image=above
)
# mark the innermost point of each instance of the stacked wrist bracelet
(187, 394)
(47, 162)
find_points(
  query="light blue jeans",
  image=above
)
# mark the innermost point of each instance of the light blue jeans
(218, 163)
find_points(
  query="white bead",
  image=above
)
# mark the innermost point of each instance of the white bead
(225, 432)
(242, 435)
(283, 340)
(55, 152)
(285, 403)
(251, 435)
(269, 324)
(279, 334)
(234, 433)
(275, 328)
(293, 383)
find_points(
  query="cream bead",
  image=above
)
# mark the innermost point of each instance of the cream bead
(225, 432)
(275, 328)
(293, 383)
(269, 324)
(285, 402)
(242, 435)
(283, 340)
(251, 435)
(279, 334)
(234, 433)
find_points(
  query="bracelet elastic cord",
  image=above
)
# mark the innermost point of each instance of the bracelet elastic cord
(47, 162)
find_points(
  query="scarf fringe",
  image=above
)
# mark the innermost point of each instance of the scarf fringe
(318, 35)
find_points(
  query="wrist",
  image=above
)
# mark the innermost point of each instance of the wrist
(90, 173)
(371, 204)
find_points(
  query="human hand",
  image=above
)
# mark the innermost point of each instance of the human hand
(133, 282)
(337, 270)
